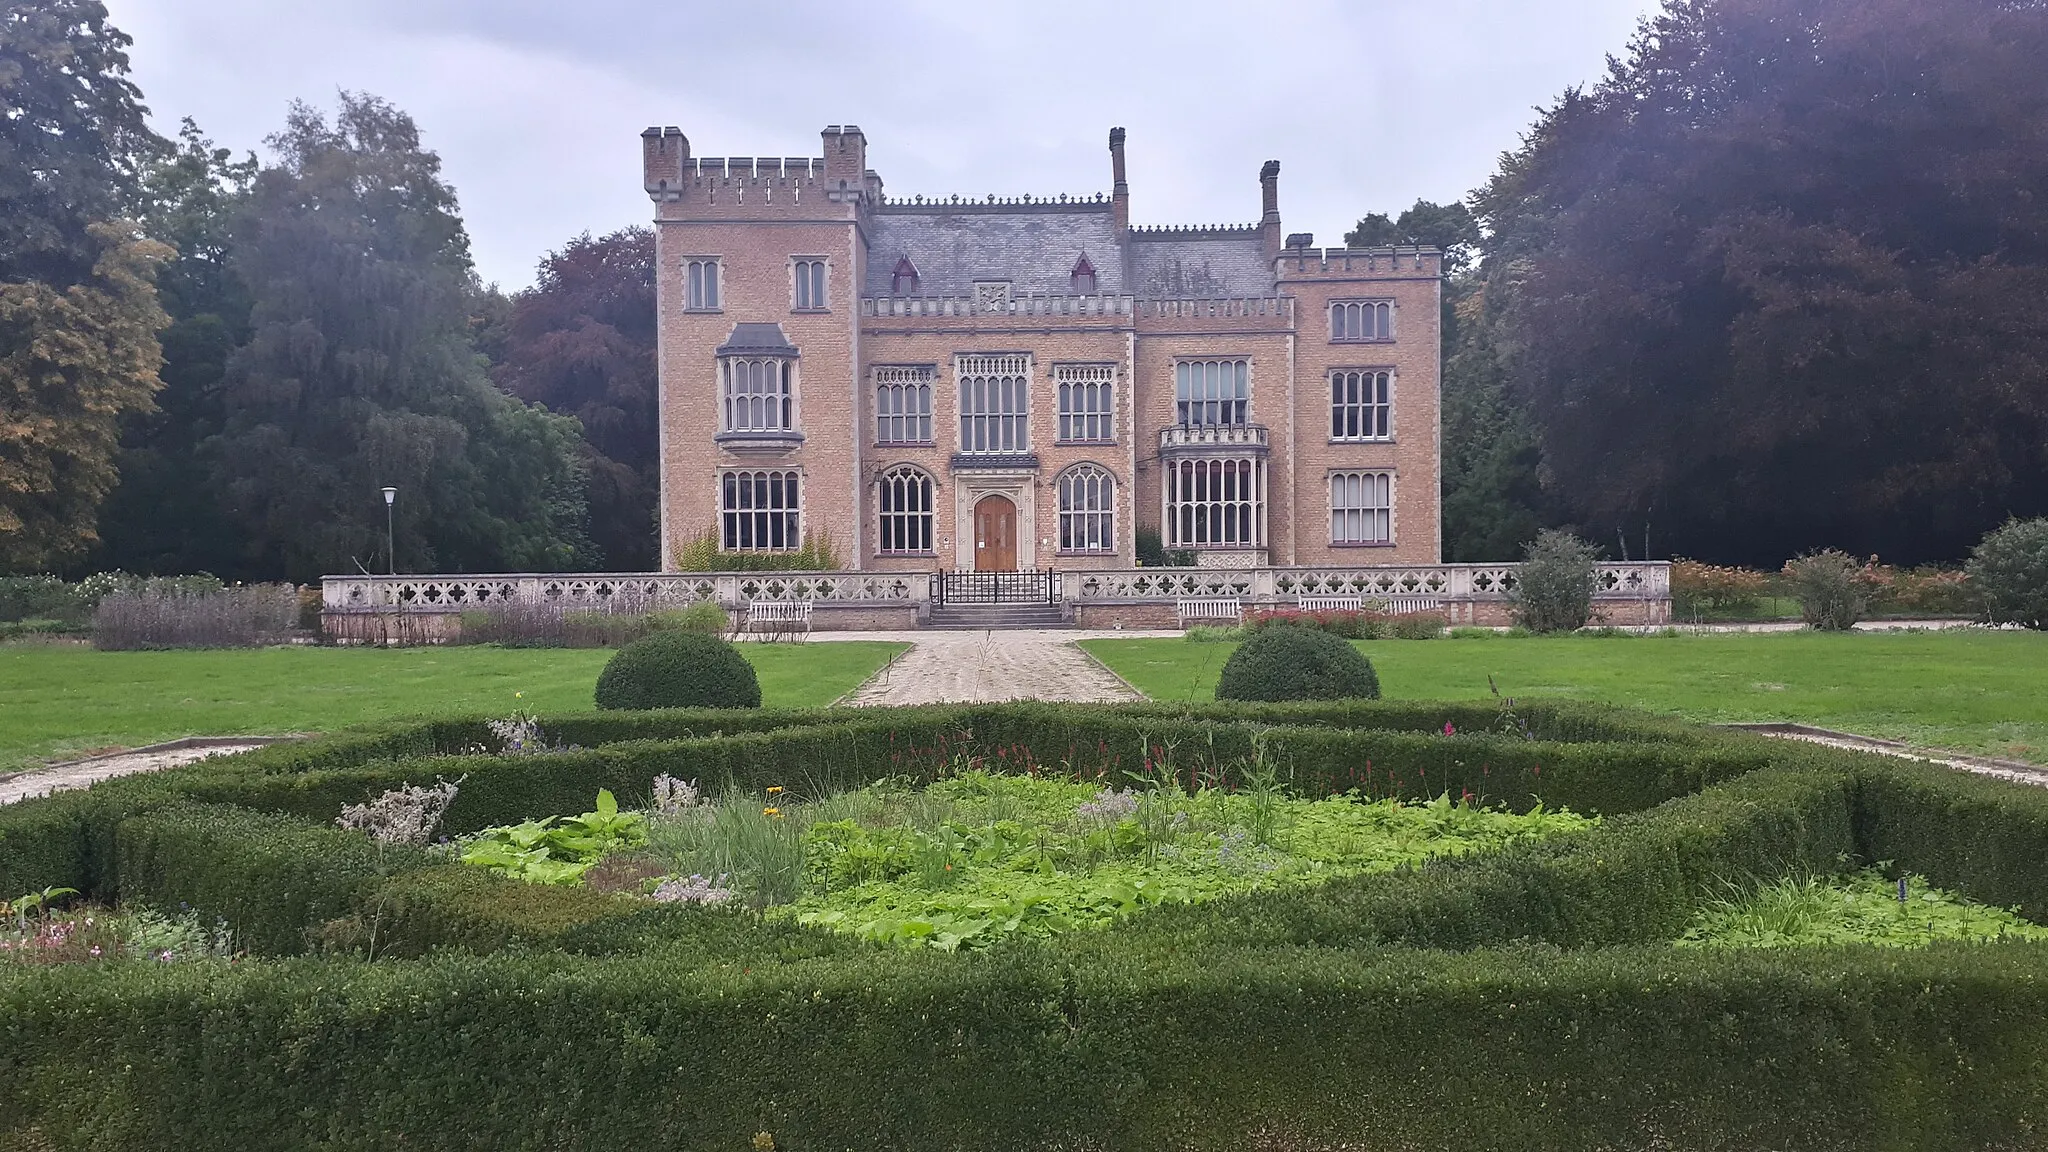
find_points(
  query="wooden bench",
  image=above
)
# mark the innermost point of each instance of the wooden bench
(778, 617)
(1226, 608)
(1331, 603)
(1404, 605)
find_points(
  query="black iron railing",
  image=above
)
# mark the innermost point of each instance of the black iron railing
(1040, 586)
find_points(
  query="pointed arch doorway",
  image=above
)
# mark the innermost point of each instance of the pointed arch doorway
(995, 534)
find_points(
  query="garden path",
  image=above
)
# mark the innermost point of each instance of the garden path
(93, 769)
(1024, 664)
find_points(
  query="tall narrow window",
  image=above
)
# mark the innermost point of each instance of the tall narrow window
(903, 404)
(1085, 413)
(1361, 405)
(701, 275)
(905, 507)
(1212, 392)
(994, 403)
(760, 511)
(1362, 320)
(810, 285)
(757, 395)
(1361, 508)
(1216, 503)
(1087, 509)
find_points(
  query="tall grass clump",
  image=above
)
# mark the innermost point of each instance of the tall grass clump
(246, 616)
(707, 554)
(625, 617)
(1831, 589)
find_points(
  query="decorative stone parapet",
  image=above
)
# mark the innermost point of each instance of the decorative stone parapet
(640, 591)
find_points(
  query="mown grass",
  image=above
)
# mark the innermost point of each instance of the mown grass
(58, 701)
(1974, 691)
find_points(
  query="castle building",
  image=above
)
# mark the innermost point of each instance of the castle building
(1030, 383)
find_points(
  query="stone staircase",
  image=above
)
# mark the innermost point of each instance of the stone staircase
(976, 617)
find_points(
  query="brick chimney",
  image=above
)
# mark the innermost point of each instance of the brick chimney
(1120, 191)
(846, 162)
(1269, 204)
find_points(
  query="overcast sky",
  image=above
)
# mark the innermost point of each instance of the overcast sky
(536, 106)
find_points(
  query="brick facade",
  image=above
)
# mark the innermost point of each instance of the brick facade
(1065, 284)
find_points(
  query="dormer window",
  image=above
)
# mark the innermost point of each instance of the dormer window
(1083, 276)
(903, 281)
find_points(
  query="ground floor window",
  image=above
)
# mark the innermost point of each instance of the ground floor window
(1216, 503)
(1361, 508)
(905, 507)
(1087, 509)
(760, 511)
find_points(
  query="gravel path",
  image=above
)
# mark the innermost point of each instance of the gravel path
(1009, 665)
(83, 773)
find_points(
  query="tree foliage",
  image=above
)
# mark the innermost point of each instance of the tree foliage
(71, 362)
(360, 371)
(582, 341)
(78, 308)
(1782, 277)
(1450, 227)
(72, 135)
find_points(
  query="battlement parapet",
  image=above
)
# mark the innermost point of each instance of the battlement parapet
(1278, 308)
(914, 205)
(1194, 231)
(1404, 260)
(1021, 306)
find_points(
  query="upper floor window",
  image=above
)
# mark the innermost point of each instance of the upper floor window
(1083, 276)
(810, 285)
(1361, 405)
(1362, 320)
(1216, 503)
(701, 277)
(1361, 508)
(904, 279)
(1212, 392)
(1087, 509)
(760, 511)
(757, 395)
(994, 403)
(903, 404)
(1085, 408)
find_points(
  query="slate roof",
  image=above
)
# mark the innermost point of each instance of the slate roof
(1180, 267)
(1034, 250)
(757, 340)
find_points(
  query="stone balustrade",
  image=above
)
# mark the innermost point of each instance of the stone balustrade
(1024, 305)
(1197, 439)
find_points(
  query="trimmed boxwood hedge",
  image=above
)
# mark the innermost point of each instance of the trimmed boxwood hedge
(1521, 999)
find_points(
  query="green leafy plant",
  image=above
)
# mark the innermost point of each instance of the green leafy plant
(706, 553)
(2009, 568)
(1830, 587)
(1554, 586)
(556, 850)
(1866, 907)
(22, 906)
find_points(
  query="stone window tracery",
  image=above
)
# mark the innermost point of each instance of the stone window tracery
(995, 403)
(1213, 503)
(1361, 508)
(1361, 321)
(1087, 509)
(903, 404)
(904, 506)
(757, 394)
(810, 284)
(1086, 411)
(760, 511)
(700, 277)
(1362, 404)
(1212, 392)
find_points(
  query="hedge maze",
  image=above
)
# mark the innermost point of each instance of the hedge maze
(1524, 999)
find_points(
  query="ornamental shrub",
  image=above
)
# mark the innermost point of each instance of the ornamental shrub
(703, 616)
(1554, 588)
(2010, 569)
(1289, 662)
(676, 669)
(1833, 594)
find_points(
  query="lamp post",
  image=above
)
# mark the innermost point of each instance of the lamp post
(390, 547)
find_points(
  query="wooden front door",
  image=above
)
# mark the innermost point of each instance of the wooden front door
(995, 535)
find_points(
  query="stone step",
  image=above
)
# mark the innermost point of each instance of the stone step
(981, 616)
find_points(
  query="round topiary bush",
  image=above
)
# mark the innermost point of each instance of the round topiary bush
(678, 669)
(1290, 662)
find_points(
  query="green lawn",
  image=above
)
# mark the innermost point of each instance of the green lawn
(58, 701)
(1984, 692)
